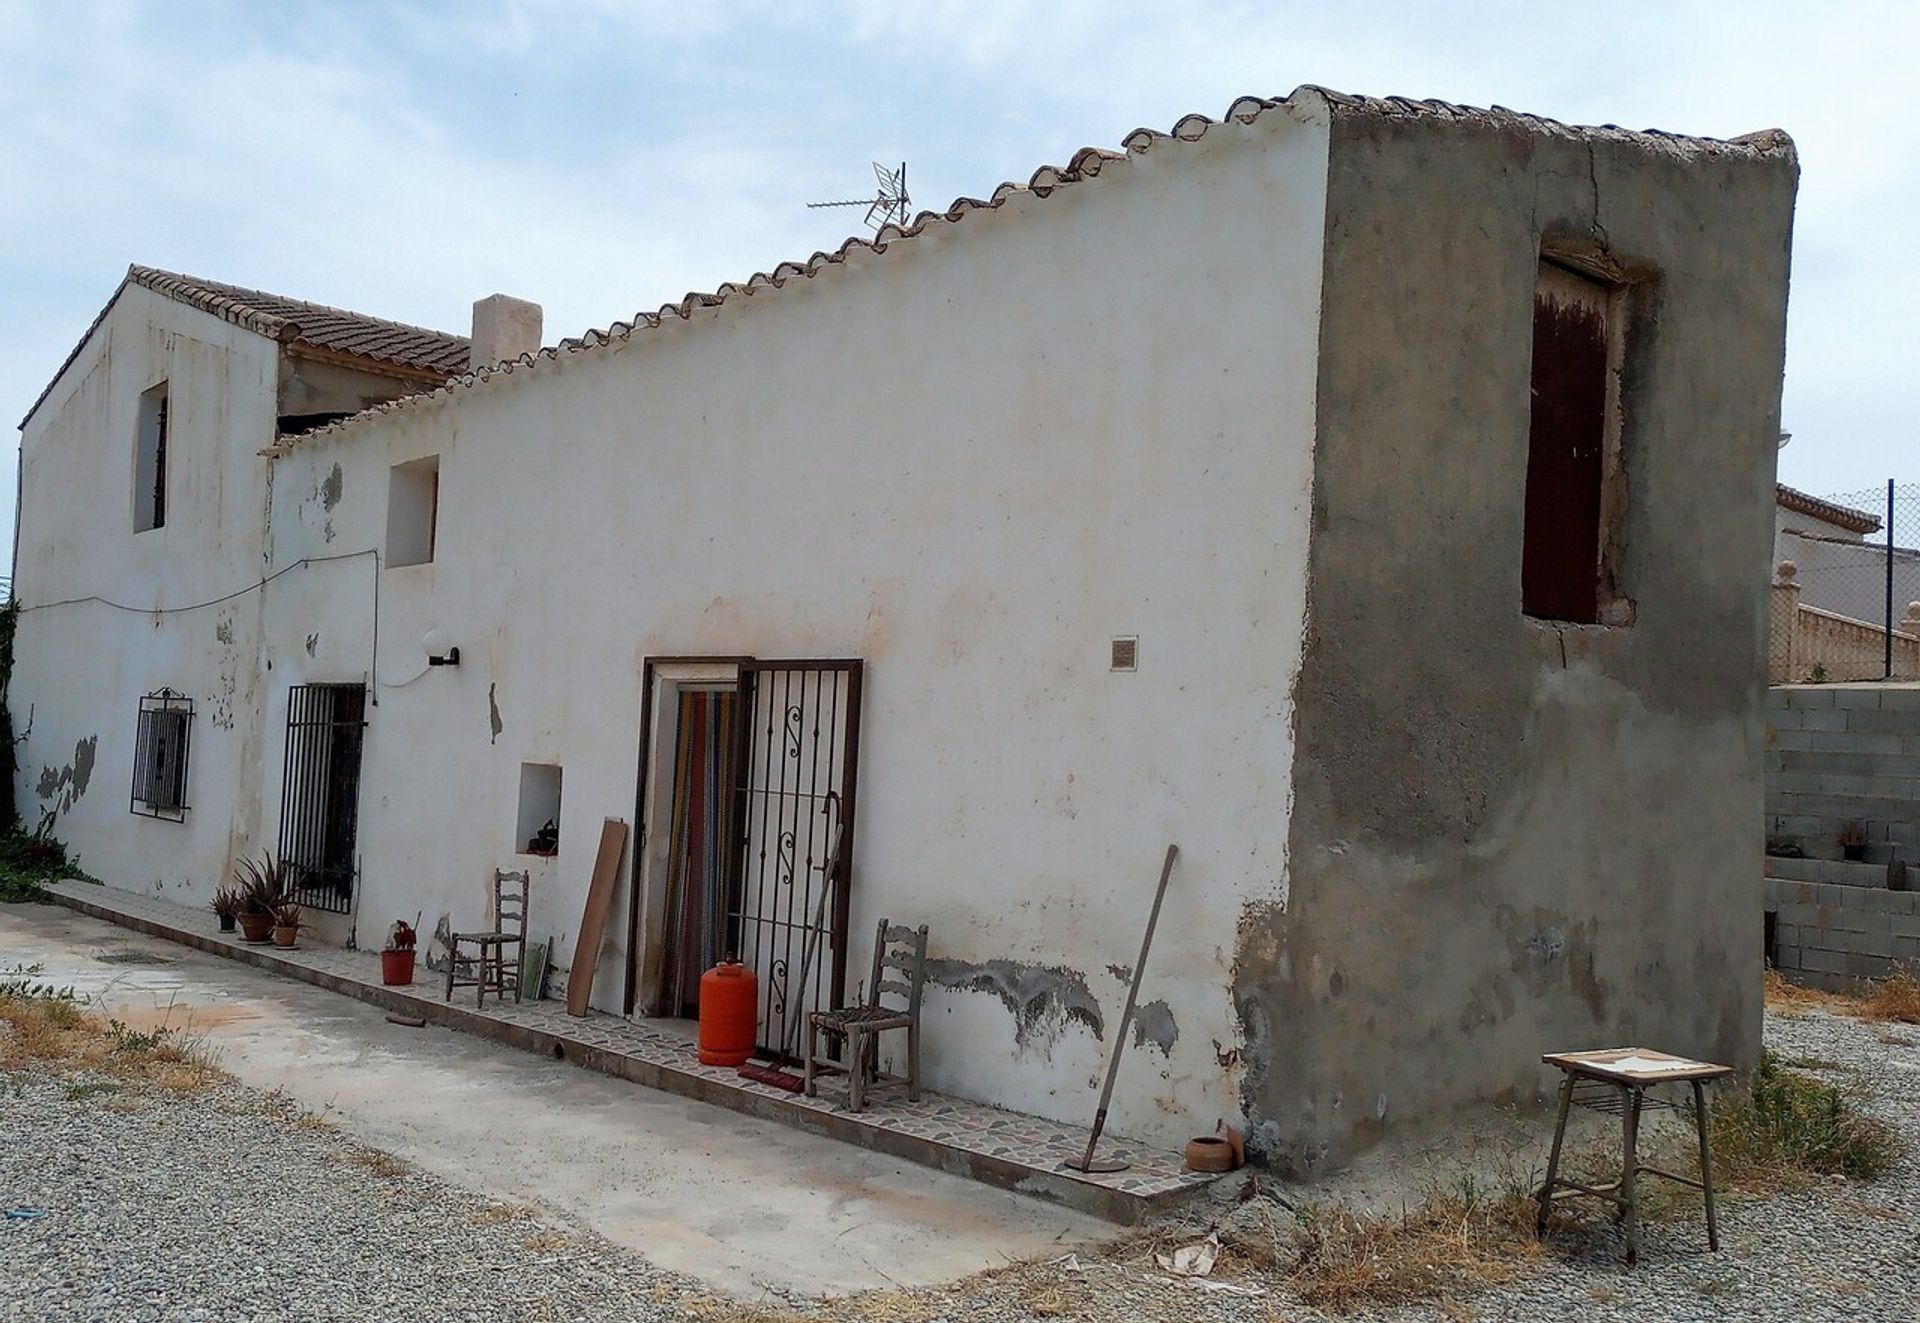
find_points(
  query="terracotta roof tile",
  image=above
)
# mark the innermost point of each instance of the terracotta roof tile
(1840, 516)
(1085, 164)
(414, 350)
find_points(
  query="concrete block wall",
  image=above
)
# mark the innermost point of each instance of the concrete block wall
(1830, 935)
(1839, 754)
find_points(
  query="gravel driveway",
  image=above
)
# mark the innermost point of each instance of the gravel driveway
(230, 1206)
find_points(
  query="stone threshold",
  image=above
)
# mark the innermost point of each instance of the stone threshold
(1007, 1149)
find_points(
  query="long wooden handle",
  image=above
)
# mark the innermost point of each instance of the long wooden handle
(1133, 996)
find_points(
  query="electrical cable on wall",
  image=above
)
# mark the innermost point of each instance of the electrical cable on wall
(373, 665)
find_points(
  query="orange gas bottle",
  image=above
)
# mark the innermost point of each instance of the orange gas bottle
(729, 1014)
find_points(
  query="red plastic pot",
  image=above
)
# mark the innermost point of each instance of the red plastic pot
(396, 968)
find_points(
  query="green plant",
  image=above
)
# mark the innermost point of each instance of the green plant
(30, 860)
(20, 984)
(1786, 1127)
(136, 1041)
(1818, 675)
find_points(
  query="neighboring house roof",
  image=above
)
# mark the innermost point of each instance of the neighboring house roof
(1085, 164)
(1840, 516)
(412, 351)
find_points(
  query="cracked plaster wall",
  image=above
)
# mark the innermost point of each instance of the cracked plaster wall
(1510, 837)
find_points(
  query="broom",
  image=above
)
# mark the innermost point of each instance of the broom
(774, 1075)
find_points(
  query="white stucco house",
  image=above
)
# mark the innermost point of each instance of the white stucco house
(1300, 487)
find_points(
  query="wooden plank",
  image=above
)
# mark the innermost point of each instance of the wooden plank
(593, 922)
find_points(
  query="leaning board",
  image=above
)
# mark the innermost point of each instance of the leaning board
(593, 922)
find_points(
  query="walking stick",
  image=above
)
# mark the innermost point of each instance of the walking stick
(1087, 1163)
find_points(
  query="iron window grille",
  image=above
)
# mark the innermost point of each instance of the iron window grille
(161, 744)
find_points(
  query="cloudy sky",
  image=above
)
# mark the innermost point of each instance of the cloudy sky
(600, 157)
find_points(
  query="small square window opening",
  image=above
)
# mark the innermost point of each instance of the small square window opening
(539, 829)
(413, 511)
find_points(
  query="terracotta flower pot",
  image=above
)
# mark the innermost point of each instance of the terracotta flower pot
(255, 927)
(283, 935)
(396, 968)
(1209, 1153)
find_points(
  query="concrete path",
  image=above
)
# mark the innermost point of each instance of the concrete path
(742, 1203)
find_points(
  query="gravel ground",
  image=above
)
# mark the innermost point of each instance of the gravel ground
(229, 1206)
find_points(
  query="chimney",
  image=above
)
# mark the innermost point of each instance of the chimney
(503, 328)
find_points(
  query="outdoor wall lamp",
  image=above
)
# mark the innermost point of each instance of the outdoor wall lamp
(439, 651)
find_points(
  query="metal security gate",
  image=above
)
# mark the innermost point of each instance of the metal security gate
(798, 753)
(320, 795)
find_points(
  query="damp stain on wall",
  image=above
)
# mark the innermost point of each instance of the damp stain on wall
(1154, 1023)
(1043, 999)
(66, 784)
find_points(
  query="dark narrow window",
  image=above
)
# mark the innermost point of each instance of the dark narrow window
(1560, 577)
(150, 462)
(160, 746)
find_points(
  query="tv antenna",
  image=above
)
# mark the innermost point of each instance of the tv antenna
(888, 205)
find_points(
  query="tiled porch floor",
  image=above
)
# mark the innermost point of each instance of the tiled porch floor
(1004, 1148)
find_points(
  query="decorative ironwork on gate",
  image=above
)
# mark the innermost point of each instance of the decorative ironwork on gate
(320, 795)
(798, 753)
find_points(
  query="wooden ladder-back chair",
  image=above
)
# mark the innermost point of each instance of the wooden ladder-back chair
(488, 968)
(899, 970)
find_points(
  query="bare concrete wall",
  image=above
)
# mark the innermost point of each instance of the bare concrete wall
(1511, 836)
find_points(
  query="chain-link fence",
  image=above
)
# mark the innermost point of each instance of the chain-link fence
(1846, 587)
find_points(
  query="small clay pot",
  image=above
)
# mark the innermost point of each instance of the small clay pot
(1209, 1153)
(284, 935)
(256, 927)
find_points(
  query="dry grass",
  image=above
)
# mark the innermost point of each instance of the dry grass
(1459, 1240)
(57, 1034)
(382, 1163)
(1894, 999)
(542, 1241)
(492, 1215)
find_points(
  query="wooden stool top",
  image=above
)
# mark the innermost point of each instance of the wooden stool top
(1635, 1065)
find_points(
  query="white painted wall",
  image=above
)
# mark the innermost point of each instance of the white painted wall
(1844, 572)
(80, 667)
(970, 461)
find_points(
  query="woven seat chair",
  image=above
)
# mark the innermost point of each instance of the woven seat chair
(487, 968)
(899, 970)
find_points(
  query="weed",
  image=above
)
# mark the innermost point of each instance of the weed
(20, 981)
(53, 1031)
(493, 1214)
(1895, 998)
(381, 1163)
(90, 1088)
(545, 1240)
(1787, 1127)
(30, 860)
(1460, 1238)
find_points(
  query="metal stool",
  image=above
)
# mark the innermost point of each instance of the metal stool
(1616, 1081)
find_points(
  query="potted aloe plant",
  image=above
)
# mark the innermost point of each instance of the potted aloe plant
(286, 923)
(396, 957)
(263, 890)
(227, 903)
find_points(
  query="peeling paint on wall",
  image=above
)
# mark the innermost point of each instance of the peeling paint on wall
(1154, 1023)
(313, 642)
(493, 712)
(68, 783)
(331, 488)
(223, 632)
(1044, 999)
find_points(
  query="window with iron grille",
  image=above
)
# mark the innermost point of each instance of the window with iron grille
(160, 749)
